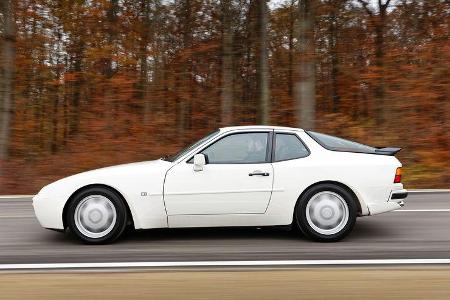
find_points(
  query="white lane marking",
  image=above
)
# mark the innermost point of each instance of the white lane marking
(423, 210)
(16, 216)
(15, 196)
(430, 191)
(242, 263)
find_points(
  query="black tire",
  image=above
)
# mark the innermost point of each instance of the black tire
(302, 221)
(121, 215)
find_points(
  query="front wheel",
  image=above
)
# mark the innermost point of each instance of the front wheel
(97, 216)
(326, 213)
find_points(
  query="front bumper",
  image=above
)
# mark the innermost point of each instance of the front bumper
(395, 202)
(48, 212)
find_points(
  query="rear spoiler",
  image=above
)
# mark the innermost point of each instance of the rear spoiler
(387, 151)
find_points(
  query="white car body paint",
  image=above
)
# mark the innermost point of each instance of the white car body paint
(130, 180)
(218, 189)
(171, 194)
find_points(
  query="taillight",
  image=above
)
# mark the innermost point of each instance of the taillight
(398, 175)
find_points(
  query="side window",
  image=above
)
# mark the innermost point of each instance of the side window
(240, 148)
(289, 146)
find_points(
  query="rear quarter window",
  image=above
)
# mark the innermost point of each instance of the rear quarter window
(339, 144)
(289, 146)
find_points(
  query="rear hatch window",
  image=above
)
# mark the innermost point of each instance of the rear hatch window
(339, 144)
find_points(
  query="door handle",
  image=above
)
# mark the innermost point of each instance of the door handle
(258, 173)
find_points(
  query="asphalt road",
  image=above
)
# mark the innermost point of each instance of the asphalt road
(420, 230)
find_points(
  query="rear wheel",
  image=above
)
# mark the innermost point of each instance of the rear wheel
(326, 213)
(97, 215)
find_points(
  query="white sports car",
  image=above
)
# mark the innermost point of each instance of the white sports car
(235, 176)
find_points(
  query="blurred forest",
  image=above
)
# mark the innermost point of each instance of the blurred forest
(91, 83)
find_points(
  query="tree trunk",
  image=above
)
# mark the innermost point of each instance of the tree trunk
(378, 21)
(262, 67)
(111, 101)
(379, 62)
(226, 94)
(183, 103)
(57, 96)
(145, 36)
(7, 48)
(306, 86)
(74, 110)
(335, 97)
(293, 17)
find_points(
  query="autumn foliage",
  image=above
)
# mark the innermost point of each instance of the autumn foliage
(102, 82)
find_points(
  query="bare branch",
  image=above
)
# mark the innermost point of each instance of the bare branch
(366, 7)
(385, 5)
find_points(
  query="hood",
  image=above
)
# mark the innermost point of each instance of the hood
(123, 168)
(110, 175)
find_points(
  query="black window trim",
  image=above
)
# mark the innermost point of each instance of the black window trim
(274, 146)
(180, 158)
(269, 152)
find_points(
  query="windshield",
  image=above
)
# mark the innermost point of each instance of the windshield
(190, 147)
(338, 144)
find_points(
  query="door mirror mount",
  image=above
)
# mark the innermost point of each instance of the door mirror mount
(199, 162)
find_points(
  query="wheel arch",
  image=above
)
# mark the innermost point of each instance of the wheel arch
(96, 185)
(359, 203)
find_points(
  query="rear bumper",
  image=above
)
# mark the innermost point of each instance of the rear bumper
(401, 194)
(395, 202)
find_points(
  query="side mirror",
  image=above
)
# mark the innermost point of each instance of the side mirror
(199, 162)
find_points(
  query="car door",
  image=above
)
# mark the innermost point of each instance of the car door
(237, 178)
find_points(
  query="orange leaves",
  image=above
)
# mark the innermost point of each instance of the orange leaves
(199, 48)
(70, 76)
(95, 86)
